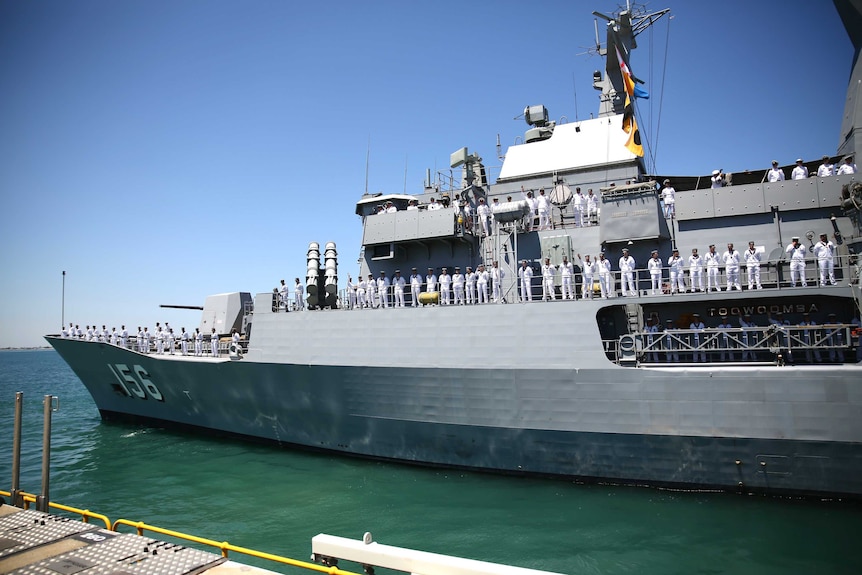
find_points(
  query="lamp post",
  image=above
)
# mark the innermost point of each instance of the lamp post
(63, 303)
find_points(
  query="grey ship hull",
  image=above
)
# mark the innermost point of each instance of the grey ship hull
(546, 403)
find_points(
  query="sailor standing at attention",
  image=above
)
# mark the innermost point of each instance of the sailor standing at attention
(592, 207)
(371, 292)
(775, 174)
(470, 285)
(579, 202)
(544, 209)
(800, 172)
(695, 270)
(848, 167)
(299, 302)
(351, 293)
(525, 274)
(445, 286)
(627, 274)
(214, 343)
(567, 272)
(482, 283)
(548, 272)
(824, 251)
(483, 212)
(711, 259)
(531, 206)
(284, 293)
(124, 335)
(430, 281)
(588, 271)
(797, 262)
(184, 341)
(398, 283)
(731, 259)
(458, 286)
(383, 289)
(199, 342)
(604, 268)
(752, 264)
(668, 196)
(146, 340)
(654, 267)
(140, 340)
(170, 340)
(114, 336)
(826, 169)
(361, 298)
(497, 282)
(415, 287)
(677, 272)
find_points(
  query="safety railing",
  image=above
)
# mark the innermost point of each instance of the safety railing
(85, 514)
(832, 343)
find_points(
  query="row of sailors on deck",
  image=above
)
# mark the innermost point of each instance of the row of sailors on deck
(160, 340)
(485, 285)
(585, 210)
(745, 345)
(800, 172)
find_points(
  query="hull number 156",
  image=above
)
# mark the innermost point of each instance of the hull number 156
(135, 381)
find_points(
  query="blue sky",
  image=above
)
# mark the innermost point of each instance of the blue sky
(161, 151)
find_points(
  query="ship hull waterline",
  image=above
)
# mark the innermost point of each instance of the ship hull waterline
(406, 415)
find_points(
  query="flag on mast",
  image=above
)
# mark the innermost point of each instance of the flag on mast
(630, 125)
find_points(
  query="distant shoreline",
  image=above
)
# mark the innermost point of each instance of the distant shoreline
(39, 348)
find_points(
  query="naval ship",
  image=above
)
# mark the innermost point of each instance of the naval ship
(756, 389)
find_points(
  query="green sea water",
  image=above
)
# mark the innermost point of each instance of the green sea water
(276, 500)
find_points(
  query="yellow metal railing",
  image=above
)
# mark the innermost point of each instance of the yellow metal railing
(223, 546)
(85, 514)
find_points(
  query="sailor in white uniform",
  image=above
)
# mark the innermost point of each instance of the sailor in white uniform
(484, 214)
(752, 264)
(525, 274)
(848, 167)
(654, 266)
(124, 335)
(627, 274)
(351, 293)
(775, 174)
(146, 344)
(731, 260)
(800, 172)
(824, 251)
(531, 206)
(445, 287)
(361, 297)
(470, 286)
(497, 276)
(184, 341)
(676, 267)
(114, 335)
(544, 209)
(214, 343)
(170, 341)
(482, 284)
(579, 204)
(588, 271)
(711, 258)
(567, 273)
(199, 342)
(398, 283)
(430, 281)
(604, 269)
(592, 207)
(826, 169)
(695, 270)
(371, 292)
(383, 290)
(284, 296)
(299, 301)
(668, 196)
(796, 252)
(458, 286)
(548, 273)
(415, 287)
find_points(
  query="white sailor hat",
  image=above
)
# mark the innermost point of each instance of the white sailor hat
(798, 160)
(794, 239)
(715, 172)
